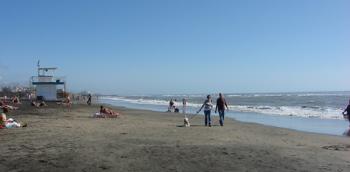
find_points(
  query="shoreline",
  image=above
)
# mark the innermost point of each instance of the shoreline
(58, 139)
(215, 116)
(335, 127)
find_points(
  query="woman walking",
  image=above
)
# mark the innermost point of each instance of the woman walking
(208, 106)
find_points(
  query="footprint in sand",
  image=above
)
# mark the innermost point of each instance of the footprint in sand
(124, 157)
(225, 153)
(43, 161)
(337, 147)
(104, 167)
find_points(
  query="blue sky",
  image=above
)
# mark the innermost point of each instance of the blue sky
(179, 46)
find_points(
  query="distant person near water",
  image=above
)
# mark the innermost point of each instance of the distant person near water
(220, 107)
(347, 115)
(184, 105)
(208, 106)
(176, 109)
(171, 106)
(89, 100)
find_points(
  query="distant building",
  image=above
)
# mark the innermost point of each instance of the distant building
(47, 86)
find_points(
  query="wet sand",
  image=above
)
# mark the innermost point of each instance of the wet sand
(58, 139)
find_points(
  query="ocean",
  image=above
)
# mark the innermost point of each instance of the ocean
(319, 112)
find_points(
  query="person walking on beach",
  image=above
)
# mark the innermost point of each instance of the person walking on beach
(208, 106)
(184, 104)
(347, 110)
(89, 100)
(220, 106)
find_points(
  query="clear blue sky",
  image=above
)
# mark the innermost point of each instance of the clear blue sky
(179, 46)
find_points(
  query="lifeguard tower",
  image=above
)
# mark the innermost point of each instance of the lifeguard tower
(47, 86)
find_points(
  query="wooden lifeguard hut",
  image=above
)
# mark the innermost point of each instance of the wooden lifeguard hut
(47, 86)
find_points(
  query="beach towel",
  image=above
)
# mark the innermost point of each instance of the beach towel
(11, 123)
(10, 120)
(98, 115)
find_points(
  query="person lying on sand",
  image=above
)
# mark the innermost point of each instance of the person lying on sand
(37, 104)
(66, 102)
(15, 100)
(107, 113)
(9, 123)
(34, 103)
(3, 105)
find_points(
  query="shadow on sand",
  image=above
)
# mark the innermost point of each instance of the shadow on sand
(198, 126)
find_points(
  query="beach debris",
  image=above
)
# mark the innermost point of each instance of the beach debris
(337, 147)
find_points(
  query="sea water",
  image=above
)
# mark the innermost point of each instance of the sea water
(319, 112)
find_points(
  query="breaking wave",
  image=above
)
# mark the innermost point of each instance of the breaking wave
(299, 111)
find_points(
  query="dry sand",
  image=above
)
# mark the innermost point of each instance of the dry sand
(61, 140)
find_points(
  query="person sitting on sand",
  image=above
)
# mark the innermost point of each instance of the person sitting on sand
(9, 123)
(108, 112)
(36, 104)
(171, 106)
(347, 115)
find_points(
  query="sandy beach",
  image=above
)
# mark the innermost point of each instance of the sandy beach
(58, 139)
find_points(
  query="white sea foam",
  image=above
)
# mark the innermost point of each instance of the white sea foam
(287, 94)
(305, 111)
(323, 113)
(149, 101)
(183, 95)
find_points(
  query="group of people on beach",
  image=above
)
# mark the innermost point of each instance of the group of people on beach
(10, 104)
(6, 107)
(221, 107)
(207, 107)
